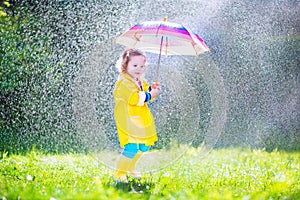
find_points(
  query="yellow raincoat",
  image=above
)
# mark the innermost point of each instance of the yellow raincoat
(135, 123)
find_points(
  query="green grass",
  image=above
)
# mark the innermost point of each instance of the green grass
(222, 174)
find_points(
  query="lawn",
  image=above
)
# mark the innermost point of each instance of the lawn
(222, 174)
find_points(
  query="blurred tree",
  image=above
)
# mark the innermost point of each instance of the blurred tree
(28, 82)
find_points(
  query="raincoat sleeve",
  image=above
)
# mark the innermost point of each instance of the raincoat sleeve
(152, 98)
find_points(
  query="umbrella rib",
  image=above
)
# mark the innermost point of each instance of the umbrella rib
(158, 29)
(193, 44)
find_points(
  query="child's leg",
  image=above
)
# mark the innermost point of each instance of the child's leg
(126, 158)
(121, 170)
(131, 168)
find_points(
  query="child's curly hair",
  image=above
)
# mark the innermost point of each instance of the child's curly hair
(125, 58)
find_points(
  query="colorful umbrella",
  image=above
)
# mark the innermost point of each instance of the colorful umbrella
(163, 37)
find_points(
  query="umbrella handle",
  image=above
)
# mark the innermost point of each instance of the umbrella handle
(159, 56)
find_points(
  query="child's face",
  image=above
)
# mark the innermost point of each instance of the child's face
(136, 66)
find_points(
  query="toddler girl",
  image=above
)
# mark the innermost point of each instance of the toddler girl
(134, 121)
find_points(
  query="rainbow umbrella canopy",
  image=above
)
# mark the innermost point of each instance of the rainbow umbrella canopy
(163, 37)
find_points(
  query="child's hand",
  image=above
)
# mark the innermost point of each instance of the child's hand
(155, 85)
(155, 89)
